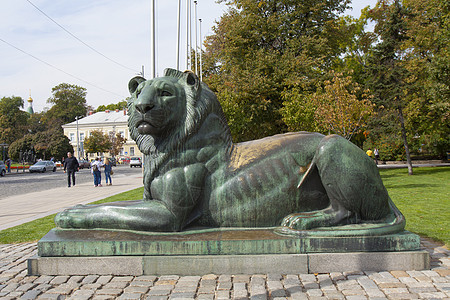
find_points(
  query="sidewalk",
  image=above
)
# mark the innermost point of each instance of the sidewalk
(427, 284)
(20, 209)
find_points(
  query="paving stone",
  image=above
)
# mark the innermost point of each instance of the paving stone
(142, 283)
(122, 278)
(136, 289)
(437, 295)
(209, 277)
(205, 297)
(398, 274)
(356, 297)
(59, 280)
(182, 296)
(367, 283)
(146, 278)
(224, 286)
(156, 297)
(223, 295)
(307, 278)
(353, 292)
(391, 285)
(91, 286)
(33, 294)
(82, 294)
(241, 278)
(113, 292)
(47, 296)
(104, 279)
(116, 285)
(314, 293)
(130, 296)
(374, 293)
(389, 291)
(89, 279)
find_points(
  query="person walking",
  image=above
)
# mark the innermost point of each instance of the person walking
(95, 169)
(70, 167)
(377, 155)
(8, 164)
(108, 171)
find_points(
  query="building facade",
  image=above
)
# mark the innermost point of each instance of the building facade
(109, 122)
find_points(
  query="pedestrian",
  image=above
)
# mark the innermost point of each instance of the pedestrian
(108, 171)
(8, 164)
(95, 169)
(369, 153)
(70, 167)
(377, 155)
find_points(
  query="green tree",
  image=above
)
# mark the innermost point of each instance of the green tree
(13, 121)
(69, 101)
(120, 106)
(386, 75)
(97, 142)
(427, 59)
(261, 48)
(117, 142)
(19, 146)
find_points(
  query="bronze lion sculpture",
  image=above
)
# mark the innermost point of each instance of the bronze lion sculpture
(196, 177)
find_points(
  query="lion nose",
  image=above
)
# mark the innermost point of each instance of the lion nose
(144, 107)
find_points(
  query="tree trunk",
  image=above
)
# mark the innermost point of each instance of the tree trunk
(405, 141)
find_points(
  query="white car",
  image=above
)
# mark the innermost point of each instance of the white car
(135, 162)
(42, 166)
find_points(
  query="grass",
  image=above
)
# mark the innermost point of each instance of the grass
(424, 199)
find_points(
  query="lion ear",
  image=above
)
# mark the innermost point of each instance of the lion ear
(134, 83)
(191, 79)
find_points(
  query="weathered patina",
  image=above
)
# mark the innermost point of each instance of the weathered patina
(195, 176)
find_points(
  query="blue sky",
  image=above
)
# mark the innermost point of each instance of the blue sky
(120, 30)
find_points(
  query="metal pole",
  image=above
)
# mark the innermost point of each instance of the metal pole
(152, 33)
(178, 34)
(187, 34)
(78, 140)
(190, 36)
(196, 45)
(201, 43)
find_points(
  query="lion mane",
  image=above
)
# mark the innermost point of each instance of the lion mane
(200, 103)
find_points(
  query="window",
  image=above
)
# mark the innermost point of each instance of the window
(81, 136)
(121, 151)
(131, 151)
(122, 133)
(72, 137)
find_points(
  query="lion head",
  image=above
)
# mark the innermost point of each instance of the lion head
(164, 112)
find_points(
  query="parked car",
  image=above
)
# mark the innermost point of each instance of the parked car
(84, 164)
(2, 168)
(135, 162)
(124, 160)
(42, 166)
(58, 164)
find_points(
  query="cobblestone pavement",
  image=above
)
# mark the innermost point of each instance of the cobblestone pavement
(428, 284)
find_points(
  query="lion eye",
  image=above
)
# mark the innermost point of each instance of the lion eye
(166, 93)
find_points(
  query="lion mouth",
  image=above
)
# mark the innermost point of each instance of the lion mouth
(144, 127)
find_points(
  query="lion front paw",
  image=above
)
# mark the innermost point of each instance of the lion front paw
(303, 221)
(75, 217)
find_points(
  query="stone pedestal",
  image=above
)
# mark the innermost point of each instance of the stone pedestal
(220, 251)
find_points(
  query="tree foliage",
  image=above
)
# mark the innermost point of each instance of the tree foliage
(97, 142)
(13, 121)
(342, 108)
(69, 101)
(259, 49)
(117, 142)
(120, 106)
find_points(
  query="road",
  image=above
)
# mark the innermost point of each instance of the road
(25, 182)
